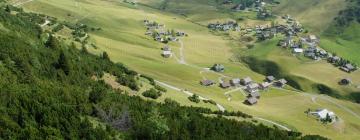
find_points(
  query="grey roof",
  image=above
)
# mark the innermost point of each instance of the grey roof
(207, 82)
(225, 84)
(265, 84)
(349, 66)
(254, 94)
(270, 78)
(247, 80)
(167, 48)
(282, 81)
(253, 86)
(235, 81)
(251, 100)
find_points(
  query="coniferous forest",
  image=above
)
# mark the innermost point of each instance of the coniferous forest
(47, 92)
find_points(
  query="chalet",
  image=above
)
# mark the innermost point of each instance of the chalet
(323, 53)
(254, 87)
(166, 54)
(238, 7)
(246, 81)
(298, 50)
(225, 85)
(166, 48)
(270, 78)
(348, 68)
(251, 101)
(218, 68)
(173, 39)
(148, 32)
(323, 114)
(280, 83)
(235, 82)
(345, 81)
(254, 95)
(313, 38)
(180, 33)
(207, 82)
(264, 86)
(311, 53)
(334, 59)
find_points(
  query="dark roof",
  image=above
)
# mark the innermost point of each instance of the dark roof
(207, 82)
(225, 84)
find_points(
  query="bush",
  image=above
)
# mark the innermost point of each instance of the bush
(194, 98)
(152, 93)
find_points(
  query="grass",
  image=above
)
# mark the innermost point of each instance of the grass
(316, 15)
(122, 37)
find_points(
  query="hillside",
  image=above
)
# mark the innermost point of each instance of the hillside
(120, 28)
(48, 92)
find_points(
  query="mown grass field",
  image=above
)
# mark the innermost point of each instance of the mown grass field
(316, 15)
(122, 37)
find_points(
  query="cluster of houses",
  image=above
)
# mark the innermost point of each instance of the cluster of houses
(160, 33)
(227, 26)
(342, 63)
(251, 87)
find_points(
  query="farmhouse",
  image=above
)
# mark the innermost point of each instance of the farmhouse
(264, 85)
(281, 83)
(345, 81)
(270, 78)
(254, 87)
(254, 95)
(238, 7)
(298, 50)
(313, 39)
(179, 33)
(207, 82)
(225, 85)
(218, 68)
(347, 68)
(323, 114)
(334, 59)
(251, 101)
(246, 81)
(166, 48)
(235, 82)
(166, 54)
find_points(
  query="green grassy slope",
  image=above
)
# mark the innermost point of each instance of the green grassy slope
(317, 15)
(124, 40)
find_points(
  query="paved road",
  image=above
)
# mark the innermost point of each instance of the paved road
(277, 124)
(46, 23)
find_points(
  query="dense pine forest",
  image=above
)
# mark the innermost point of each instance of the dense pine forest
(47, 92)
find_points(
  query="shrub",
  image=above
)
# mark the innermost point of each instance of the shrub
(152, 93)
(194, 98)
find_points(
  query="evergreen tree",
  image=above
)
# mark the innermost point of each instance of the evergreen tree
(52, 42)
(8, 9)
(63, 63)
(105, 56)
